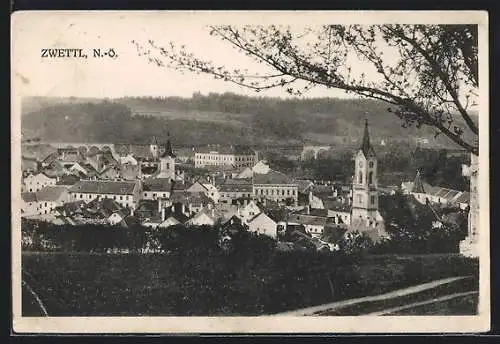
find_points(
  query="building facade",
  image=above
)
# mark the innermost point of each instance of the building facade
(225, 156)
(275, 186)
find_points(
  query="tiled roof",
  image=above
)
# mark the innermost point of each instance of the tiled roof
(237, 150)
(104, 187)
(244, 187)
(50, 193)
(157, 184)
(307, 219)
(272, 177)
(68, 179)
(29, 196)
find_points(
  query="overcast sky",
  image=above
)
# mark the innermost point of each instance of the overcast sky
(130, 74)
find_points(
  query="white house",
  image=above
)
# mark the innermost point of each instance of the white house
(33, 183)
(245, 173)
(44, 201)
(249, 211)
(263, 224)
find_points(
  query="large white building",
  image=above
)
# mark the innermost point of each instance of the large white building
(235, 156)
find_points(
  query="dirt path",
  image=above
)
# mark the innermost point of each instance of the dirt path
(422, 303)
(325, 308)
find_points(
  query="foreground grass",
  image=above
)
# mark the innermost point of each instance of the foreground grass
(465, 305)
(192, 283)
(363, 308)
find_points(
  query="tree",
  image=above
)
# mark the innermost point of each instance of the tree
(428, 74)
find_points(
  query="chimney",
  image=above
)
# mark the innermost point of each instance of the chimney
(159, 204)
(162, 214)
(308, 209)
(183, 208)
(132, 211)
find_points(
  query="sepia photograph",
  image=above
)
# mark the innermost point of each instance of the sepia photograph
(250, 172)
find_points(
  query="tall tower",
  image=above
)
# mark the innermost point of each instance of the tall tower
(364, 185)
(167, 162)
(153, 147)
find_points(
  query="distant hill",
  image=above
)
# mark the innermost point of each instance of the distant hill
(215, 118)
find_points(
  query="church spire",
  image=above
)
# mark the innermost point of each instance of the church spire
(168, 148)
(366, 146)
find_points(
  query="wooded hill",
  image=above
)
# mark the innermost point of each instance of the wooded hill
(215, 118)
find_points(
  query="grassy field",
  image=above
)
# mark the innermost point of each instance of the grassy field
(465, 305)
(187, 284)
(469, 284)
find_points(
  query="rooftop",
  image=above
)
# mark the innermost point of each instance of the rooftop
(157, 184)
(104, 187)
(236, 150)
(272, 177)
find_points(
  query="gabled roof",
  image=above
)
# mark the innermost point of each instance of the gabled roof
(50, 193)
(29, 196)
(308, 219)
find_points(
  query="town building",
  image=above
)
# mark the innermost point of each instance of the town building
(43, 201)
(155, 188)
(235, 156)
(33, 183)
(275, 186)
(126, 193)
(235, 188)
(263, 225)
(425, 192)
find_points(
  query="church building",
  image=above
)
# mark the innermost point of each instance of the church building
(365, 215)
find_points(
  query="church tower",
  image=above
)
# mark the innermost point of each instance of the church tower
(167, 162)
(364, 185)
(154, 148)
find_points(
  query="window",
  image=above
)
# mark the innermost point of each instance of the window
(145, 195)
(121, 198)
(359, 199)
(370, 178)
(114, 197)
(372, 200)
(370, 164)
(81, 196)
(288, 192)
(360, 178)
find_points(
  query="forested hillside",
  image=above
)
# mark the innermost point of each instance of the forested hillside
(213, 118)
